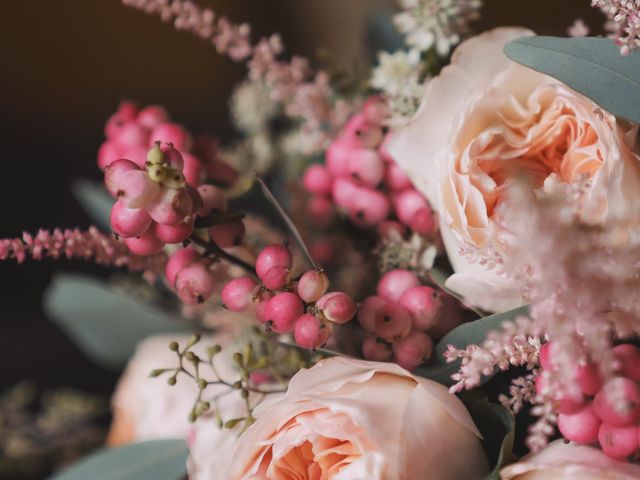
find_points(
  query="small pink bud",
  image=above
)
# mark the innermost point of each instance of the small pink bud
(395, 283)
(145, 244)
(172, 156)
(171, 207)
(192, 169)
(320, 209)
(149, 117)
(393, 323)
(114, 171)
(424, 305)
(310, 332)
(228, 234)
(312, 285)
(136, 189)
(171, 133)
(423, 222)
(237, 294)
(412, 350)
(618, 442)
(628, 357)
(407, 203)
(376, 350)
(395, 178)
(337, 158)
(108, 153)
(366, 167)
(131, 134)
(273, 256)
(129, 222)
(337, 307)
(213, 198)
(282, 311)
(620, 408)
(369, 207)
(174, 233)
(180, 260)
(317, 180)
(581, 426)
(195, 284)
(370, 310)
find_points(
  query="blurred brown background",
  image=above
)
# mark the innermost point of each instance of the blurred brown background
(65, 66)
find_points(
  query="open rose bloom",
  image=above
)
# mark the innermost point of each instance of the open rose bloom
(485, 122)
(347, 419)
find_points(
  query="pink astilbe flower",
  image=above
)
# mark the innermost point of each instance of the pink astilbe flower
(521, 391)
(99, 247)
(623, 22)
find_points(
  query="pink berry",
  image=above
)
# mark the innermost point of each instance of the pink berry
(109, 152)
(317, 179)
(132, 134)
(391, 230)
(136, 189)
(618, 403)
(213, 198)
(310, 332)
(192, 169)
(366, 167)
(449, 319)
(395, 178)
(273, 256)
(237, 294)
(312, 285)
(172, 156)
(180, 260)
(628, 357)
(376, 350)
(126, 113)
(129, 222)
(618, 442)
(395, 283)
(323, 252)
(376, 110)
(581, 426)
(344, 192)
(174, 233)
(337, 158)
(412, 350)
(282, 311)
(145, 244)
(196, 199)
(545, 356)
(370, 310)
(195, 283)
(228, 234)
(362, 133)
(423, 304)
(276, 278)
(261, 299)
(393, 323)
(589, 379)
(407, 203)
(171, 133)
(136, 153)
(423, 222)
(151, 116)
(113, 174)
(369, 207)
(221, 172)
(320, 209)
(337, 307)
(171, 207)
(564, 403)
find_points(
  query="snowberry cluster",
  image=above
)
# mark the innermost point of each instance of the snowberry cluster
(360, 178)
(188, 274)
(397, 319)
(604, 411)
(285, 305)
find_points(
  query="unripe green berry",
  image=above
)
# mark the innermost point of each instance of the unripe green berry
(173, 346)
(155, 155)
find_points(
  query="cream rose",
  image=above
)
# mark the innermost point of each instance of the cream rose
(355, 420)
(486, 120)
(560, 461)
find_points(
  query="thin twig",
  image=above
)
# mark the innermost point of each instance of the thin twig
(212, 248)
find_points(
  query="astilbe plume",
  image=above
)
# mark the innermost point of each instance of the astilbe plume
(624, 22)
(92, 244)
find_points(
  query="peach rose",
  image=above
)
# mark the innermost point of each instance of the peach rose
(560, 461)
(486, 120)
(348, 419)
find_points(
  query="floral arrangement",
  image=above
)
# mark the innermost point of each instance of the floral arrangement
(429, 271)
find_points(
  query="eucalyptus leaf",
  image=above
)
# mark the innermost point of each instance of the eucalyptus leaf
(589, 65)
(474, 332)
(105, 324)
(151, 460)
(95, 201)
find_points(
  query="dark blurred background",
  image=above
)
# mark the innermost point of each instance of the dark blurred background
(65, 66)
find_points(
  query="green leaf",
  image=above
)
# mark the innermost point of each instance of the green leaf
(460, 337)
(497, 426)
(104, 323)
(95, 200)
(151, 460)
(591, 66)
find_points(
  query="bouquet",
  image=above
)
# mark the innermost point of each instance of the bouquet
(425, 269)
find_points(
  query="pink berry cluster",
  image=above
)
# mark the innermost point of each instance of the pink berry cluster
(284, 305)
(189, 275)
(360, 178)
(398, 318)
(606, 411)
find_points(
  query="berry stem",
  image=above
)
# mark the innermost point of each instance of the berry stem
(211, 248)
